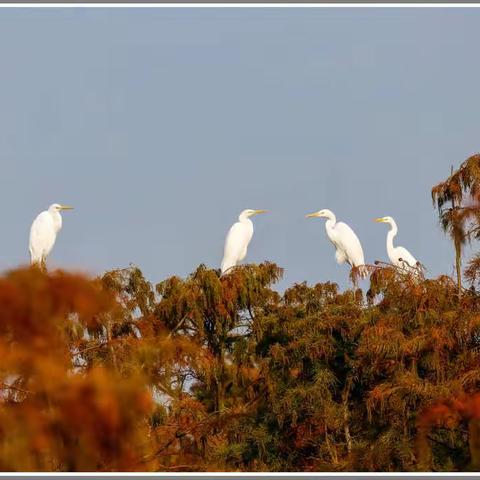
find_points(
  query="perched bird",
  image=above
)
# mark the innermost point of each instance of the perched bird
(237, 240)
(399, 256)
(346, 243)
(43, 233)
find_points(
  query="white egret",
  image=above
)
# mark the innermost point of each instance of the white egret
(345, 241)
(43, 233)
(399, 256)
(237, 240)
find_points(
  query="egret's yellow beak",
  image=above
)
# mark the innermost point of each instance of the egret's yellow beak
(379, 220)
(256, 212)
(314, 214)
(66, 207)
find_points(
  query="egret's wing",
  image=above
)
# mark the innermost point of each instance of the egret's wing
(406, 256)
(347, 241)
(42, 236)
(236, 244)
(340, 255)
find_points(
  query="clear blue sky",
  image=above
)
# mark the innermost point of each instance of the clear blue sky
(161, 125)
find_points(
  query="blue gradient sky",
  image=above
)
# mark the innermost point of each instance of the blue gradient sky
(161, 125)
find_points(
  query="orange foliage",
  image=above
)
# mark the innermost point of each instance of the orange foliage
(223, 373)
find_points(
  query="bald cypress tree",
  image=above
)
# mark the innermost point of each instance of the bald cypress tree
(213, 372)
(457, 200)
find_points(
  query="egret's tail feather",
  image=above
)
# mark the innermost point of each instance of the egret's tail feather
(226, 267)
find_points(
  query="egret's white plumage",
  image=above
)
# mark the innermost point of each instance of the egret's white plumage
(237, 240)
(43, 233)
(399, 256)
(347, 245)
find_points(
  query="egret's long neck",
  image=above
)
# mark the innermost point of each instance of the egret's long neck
(390, 236)
(331, 220)
(330, 224)
(243, 218)
(57, 220)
